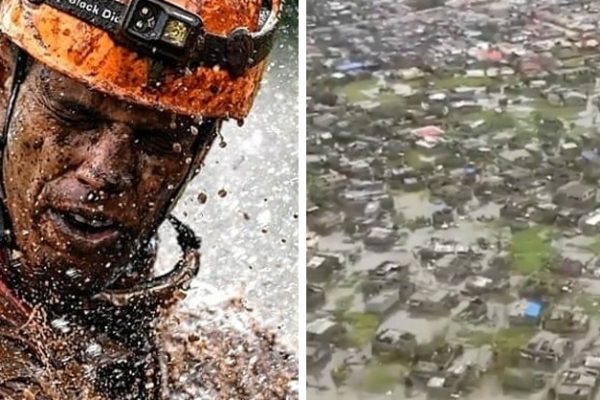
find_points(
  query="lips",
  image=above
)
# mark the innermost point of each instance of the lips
(82, 231)
(90, 225)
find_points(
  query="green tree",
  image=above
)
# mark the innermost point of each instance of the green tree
(316, 191)
(498, 121)
(545, 125)
(425, 4)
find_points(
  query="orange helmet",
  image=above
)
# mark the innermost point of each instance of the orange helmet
(193, 57)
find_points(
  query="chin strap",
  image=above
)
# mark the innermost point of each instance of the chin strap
(18, 77)
(164, 287)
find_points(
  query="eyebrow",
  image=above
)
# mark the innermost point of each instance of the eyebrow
(152, 125)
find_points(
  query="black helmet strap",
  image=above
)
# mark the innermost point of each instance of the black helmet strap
(19, 74)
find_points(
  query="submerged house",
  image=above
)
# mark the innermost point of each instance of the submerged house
(387, 275)
(546, 351)
(437, 302)
(525, 312)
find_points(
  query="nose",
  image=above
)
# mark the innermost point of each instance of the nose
(109, 163)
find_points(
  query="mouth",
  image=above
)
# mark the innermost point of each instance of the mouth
(88, 231)
(88, 225)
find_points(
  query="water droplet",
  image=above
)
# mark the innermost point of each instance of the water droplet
(61, 324)
(94, 350)
(73, 273)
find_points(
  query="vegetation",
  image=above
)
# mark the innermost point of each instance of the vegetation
(589, 303)
(391, 106)
(574, 62)
(505, 343)
(547, 110)
(413, 159)
(418, 83)
(594, 247)
(425, 4)
(354, 91)
(417, 223)
(494, 121)
(316, 191)
(350, 281)
(545, 124)
(343, 305)
(362, 328)
(399, 218)
(531, 249)
(454, 82)
(381, 378)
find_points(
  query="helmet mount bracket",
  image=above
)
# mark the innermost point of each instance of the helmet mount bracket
(174, 36)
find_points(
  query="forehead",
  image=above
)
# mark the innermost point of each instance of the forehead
(58, 87)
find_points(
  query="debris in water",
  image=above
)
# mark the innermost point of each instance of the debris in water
(202, 198)
(222, 193)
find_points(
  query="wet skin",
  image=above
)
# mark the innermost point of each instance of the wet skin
(88, 178)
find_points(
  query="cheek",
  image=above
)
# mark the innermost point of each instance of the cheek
(160, 179)
(37, 158)
(23, 172)
(24, 162)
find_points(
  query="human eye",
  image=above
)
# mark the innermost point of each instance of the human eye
(72, 114)
(156, 142)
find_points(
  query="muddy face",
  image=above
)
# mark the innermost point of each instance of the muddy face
(88, 178)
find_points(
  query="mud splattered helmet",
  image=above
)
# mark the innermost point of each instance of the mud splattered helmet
(192, 57)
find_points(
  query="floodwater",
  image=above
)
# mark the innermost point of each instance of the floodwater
(250, 236)
(465, 231)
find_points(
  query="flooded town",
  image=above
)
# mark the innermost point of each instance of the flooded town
(453, 206)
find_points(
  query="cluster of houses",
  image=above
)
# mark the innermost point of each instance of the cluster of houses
(439, 138)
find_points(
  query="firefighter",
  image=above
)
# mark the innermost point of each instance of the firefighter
(108, 110)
